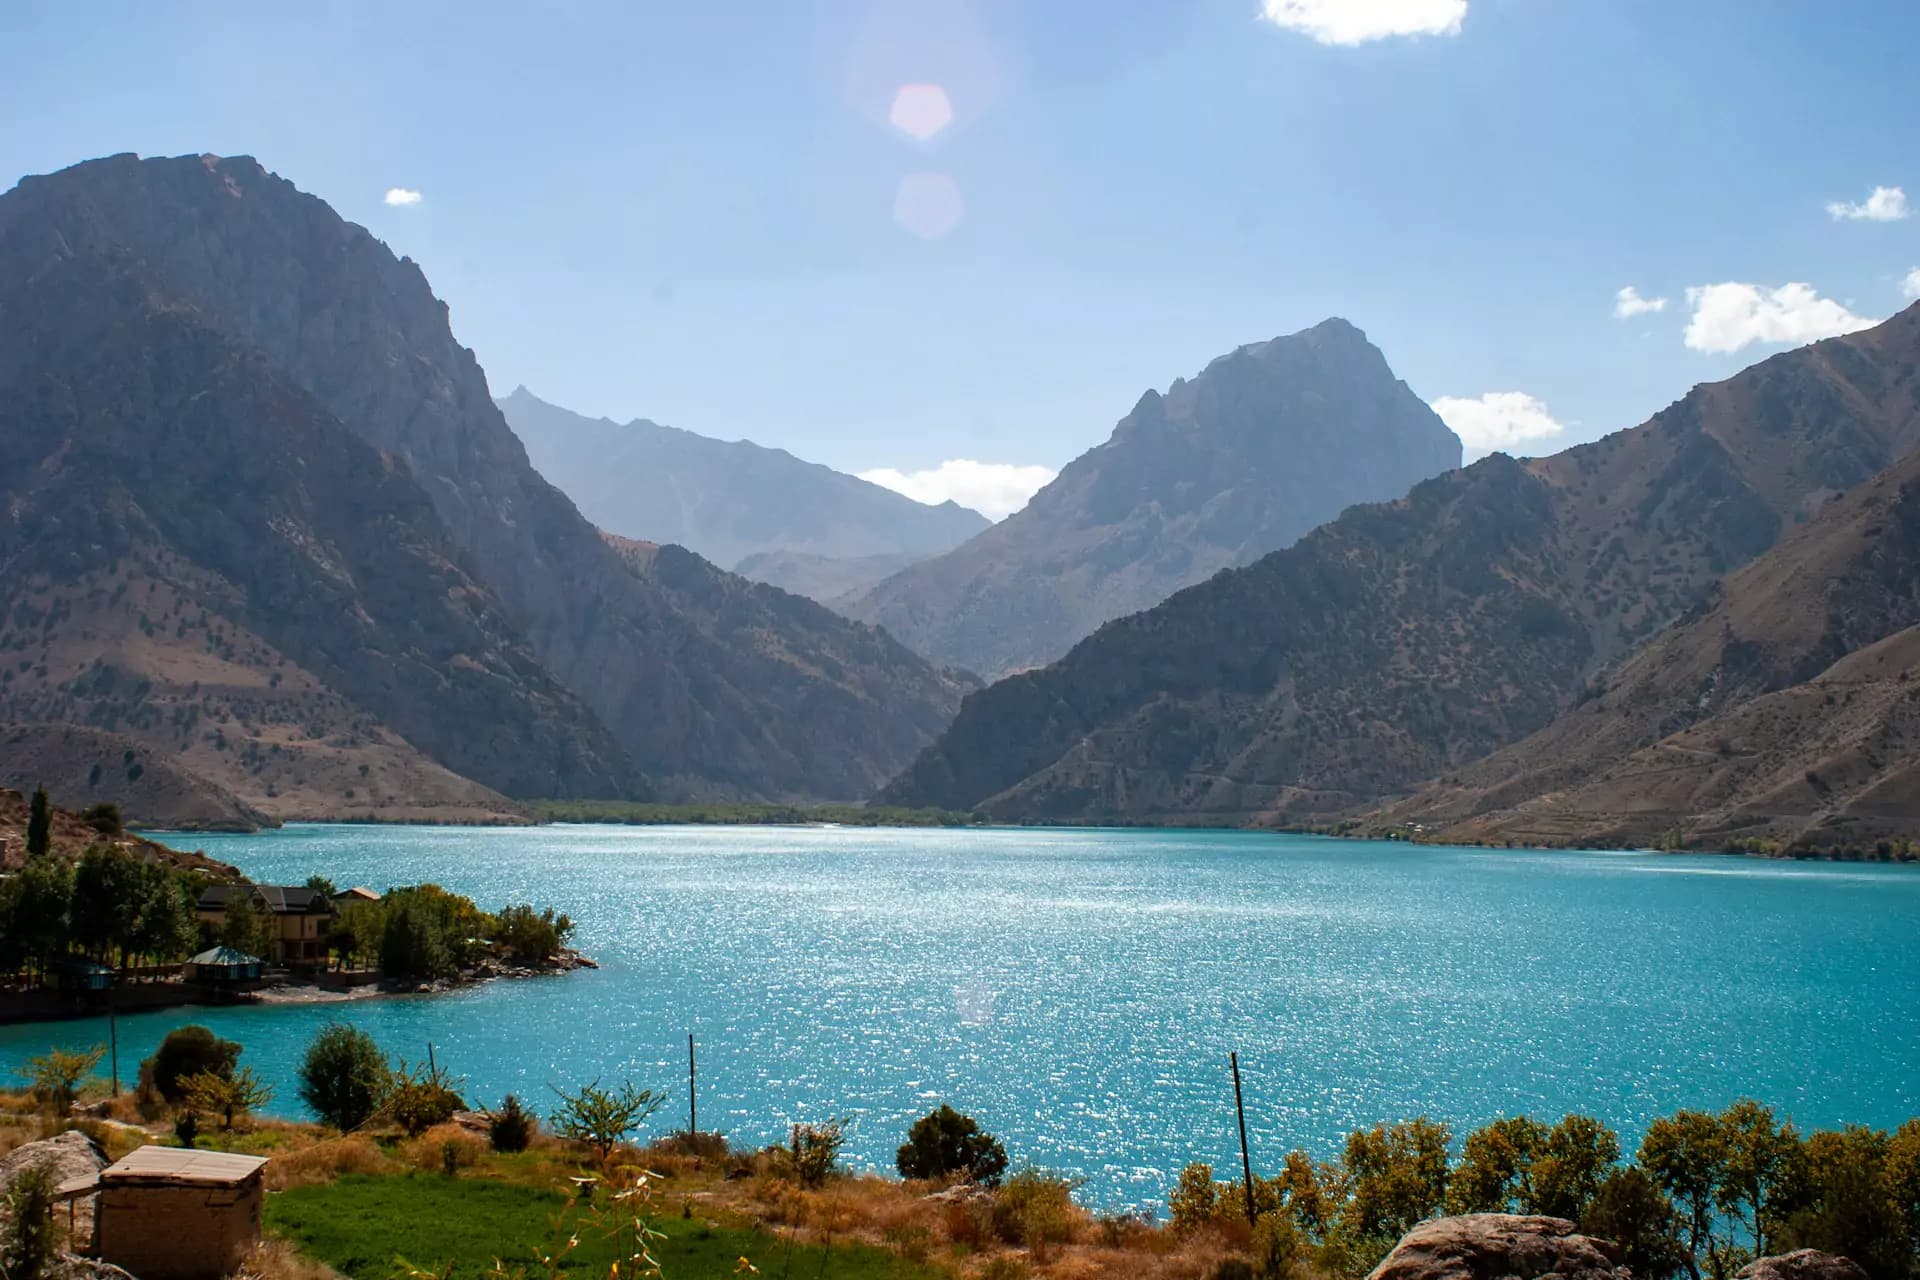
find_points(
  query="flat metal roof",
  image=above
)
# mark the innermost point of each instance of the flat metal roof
(180, 1165)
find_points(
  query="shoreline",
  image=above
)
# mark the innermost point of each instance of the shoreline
(33, 1007)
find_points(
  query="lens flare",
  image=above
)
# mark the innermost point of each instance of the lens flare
(920, 110)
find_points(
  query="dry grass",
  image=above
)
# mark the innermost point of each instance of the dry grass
(429, 1151)
(279, 1260)
(325, 1161)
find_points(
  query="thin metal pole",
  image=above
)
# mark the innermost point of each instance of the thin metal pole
(431, 1069)
(1240, 1109)
(693, 1105)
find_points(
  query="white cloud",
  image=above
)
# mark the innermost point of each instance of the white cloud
(1351, 22)
(1729, 316)
(1628, 303)
(402, 195)
(994, 489)
(1497, 420)
(1911, 285)
(1886, 204)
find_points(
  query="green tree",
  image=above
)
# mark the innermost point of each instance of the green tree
(1194, 1200)
(1398, 1176)
(602, 1118)
(1686, 1156)
(104, 818)
(42, 895)
(343, 1077)
(413, 943)
(188, 1051)
(39, 824)
(109, 889)
(246, 927)
(55, 1076)
(164, 927)
(1574, 1158)
(1312, 1194)
(945, 1142)
(1841, 1203)
(1759, 1155)
(1630, 1210)
(1901, 1171)
(1495, 1173)
(227, 1095)
(531, 937)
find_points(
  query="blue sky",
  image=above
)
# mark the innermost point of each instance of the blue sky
(703, 213)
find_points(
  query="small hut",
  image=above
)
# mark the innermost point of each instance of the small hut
(166, 1213)
(223, 967)
(77, 973)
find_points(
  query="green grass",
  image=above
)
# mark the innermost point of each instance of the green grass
(362, 1225)
(847, 815)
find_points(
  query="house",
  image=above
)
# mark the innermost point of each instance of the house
(301, 917)
(167, 1213)
(348, 897)
(77, 973)
(223, 966)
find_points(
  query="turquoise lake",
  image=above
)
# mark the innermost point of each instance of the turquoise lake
(1078, 991)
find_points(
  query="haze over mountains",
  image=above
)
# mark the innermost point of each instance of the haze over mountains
(762, 512)
(1258, 448)
(264, 514)
(1407, 639)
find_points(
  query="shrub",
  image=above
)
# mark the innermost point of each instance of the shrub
(104, 818)
(417, 1100)
(1034, 1209)
(27, 1244)
(602, 1118)
(813, 1149)
(343, 1077)
(227, 1096)
(1194, 1199)
(55, 1076)
(511, 1127)
(531, 937)
(1005, 1268)
(188, 1051)
(445, 1148)
(945, 1142)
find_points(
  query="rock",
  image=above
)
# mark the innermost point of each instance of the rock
(73, 1155)
(1802, 1264)
(1492, 1246)
(960, 1193)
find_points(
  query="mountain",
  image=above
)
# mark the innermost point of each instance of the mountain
(1260, 447)
(823, 578)
(1784, 709)
(85, 766)
(234, 401)
(725, 500)
(1408, 639)
(70, 836)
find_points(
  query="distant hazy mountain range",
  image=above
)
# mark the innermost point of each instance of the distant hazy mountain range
(1577, 598)
(763, 512)
(263, 516)
(1261, 446)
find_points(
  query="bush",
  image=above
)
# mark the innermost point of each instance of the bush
(1034, 1209)
(1194, 1199)
(945, 1142)
(343, 1077)
(56, 1076)
(602, 1118)
(531, 937)
(418, 1100)
(27, 1244)
(188, 1051)
(1632, 1212)
(813, 1149)
(511, 1127)
(103, 818)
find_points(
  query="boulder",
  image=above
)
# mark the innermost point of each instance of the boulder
(73, 1156)
(1494, 1246)
(1802, 1264)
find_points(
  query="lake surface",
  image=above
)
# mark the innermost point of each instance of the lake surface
(1078, 991)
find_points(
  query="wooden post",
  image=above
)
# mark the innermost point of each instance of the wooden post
(1240, 1109)
(693, 1105)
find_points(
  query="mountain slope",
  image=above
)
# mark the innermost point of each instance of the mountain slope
(325, 305)
(86, 766)
(1407, 639)
(204, 559)
(723, 500)
(823, 578)
(1256, 450)
(1772, 711)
